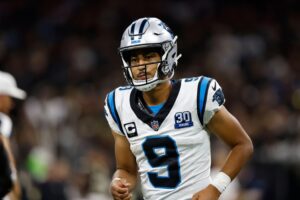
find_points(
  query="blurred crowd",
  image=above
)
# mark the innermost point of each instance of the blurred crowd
(64, 54)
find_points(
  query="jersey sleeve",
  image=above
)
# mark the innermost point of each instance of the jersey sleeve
(5, 125)
(210, 99)
(111, 113)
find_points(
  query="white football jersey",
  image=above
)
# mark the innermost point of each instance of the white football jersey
(172, 148)
(5, 125)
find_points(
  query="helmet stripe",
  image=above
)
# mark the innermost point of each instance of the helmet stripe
(132, 29)
(142, 26)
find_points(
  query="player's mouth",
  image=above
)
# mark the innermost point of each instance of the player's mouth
(143, 76)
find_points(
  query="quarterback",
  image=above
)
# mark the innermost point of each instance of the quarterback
(161, 126)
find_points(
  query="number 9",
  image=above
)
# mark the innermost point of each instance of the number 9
(170, 159)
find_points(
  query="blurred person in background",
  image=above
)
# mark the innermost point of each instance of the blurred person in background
(9, 90)
(161, 126)
(5, 172)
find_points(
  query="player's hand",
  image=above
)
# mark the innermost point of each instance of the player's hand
(120, 189)
(209, 193)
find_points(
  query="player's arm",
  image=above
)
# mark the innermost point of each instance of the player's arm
(226, 126)
(125, 176)
(223, 124)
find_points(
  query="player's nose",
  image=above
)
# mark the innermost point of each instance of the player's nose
(141, 60)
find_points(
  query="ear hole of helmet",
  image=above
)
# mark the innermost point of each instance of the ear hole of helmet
(160, 72)
(164, 70)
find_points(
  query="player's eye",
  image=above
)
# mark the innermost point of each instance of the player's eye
(149, 56)
(133, 59)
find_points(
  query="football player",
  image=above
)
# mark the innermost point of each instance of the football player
(8, 89)
(161, 126)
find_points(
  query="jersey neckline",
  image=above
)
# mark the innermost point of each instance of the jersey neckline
(142, 111)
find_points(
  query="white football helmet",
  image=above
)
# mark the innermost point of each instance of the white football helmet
(149, 33)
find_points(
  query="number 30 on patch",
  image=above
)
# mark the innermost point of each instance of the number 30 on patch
(183, 120)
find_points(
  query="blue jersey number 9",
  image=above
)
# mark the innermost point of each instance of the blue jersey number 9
(162, 152)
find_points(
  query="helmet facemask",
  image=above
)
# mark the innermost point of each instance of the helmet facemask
(148, 82)
(144, 79)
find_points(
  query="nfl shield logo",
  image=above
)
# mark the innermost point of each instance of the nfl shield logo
(155, 125)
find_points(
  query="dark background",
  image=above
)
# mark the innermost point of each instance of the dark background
(64, 54)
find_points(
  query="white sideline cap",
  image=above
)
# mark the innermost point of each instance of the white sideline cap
(8, 86)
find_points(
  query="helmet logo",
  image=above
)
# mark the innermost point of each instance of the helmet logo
(165, 26)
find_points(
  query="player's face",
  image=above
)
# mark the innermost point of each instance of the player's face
(144, 65)
(6, 103)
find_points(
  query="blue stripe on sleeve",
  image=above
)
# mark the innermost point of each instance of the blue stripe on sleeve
(202, 95)
(113, 110)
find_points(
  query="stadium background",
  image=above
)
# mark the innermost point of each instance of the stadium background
(64, 54)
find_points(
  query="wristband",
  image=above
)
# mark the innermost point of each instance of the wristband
(221, 181)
